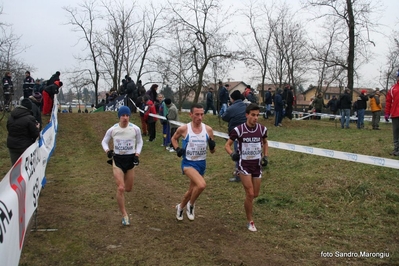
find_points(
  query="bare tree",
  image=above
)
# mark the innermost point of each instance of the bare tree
(176, 66)
(202, 21)
(120, 21)
(256, 44)
(83, 20)
(354, 16)
(389, 72)
(324, 55)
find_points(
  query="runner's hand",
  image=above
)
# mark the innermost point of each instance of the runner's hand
(110, 153)
(212, 144)
(235, 156)
(265, 161)
(180, 151)
(136, 160)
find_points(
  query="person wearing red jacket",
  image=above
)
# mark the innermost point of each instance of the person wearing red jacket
(392, 111)
(150, 120)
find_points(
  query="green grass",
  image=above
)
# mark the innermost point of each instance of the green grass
(307, 204)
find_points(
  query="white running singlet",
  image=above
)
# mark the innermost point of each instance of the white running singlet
(126, 140)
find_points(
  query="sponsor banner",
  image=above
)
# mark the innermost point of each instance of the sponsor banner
(116, 104)
(20, 189)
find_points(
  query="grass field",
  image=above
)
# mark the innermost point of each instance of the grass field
(311, 210)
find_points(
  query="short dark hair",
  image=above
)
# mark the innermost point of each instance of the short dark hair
(196, 105)
(252, 107)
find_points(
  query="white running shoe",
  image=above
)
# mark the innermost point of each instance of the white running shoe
(190, 211)
(126, 220)
(179, 213)
(251, 226)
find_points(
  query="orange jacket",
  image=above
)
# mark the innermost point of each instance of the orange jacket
(373, 104)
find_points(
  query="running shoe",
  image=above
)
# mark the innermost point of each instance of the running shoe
(126, 220)
(179, 213)
(251, 226)
(190, 211)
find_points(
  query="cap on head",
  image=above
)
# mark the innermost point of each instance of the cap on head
(363, 91)
(235, 95)
(37, 96)
(168, 101)
(26, 103)
(124, 110)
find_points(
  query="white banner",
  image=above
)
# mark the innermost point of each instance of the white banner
(20, 189)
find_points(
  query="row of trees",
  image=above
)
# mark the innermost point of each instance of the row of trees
(188, 44)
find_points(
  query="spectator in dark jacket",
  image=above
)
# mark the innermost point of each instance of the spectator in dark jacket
(48, 96)
(54, 78)
(345, 104)
(278, 108)
(235, 116)
(268, 102)
(223, 95)
(209, 102)
(361, 105)
(36, 100)
(333, 105)
(22, 128)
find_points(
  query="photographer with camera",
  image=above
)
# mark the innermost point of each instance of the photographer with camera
(252, 143)
(127, 143)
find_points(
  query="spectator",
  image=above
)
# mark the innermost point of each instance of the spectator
(54, 78)
(141, 106)
(345, 108)
(392, 111)
(8, 90)
(36, 99)
(333, 105)
(376, 107)
(318, 104)
(223, 94)
(268, 102)
(28, 85)
(361, 105)
(278, 108)
(23, 130)
(48, 96)
(235, 116)
(163, 111)
(149, 119)
(209, 102)
(132, 94)
(288, 99)
(173, 115)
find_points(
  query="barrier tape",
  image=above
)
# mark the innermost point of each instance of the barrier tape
(346, 156)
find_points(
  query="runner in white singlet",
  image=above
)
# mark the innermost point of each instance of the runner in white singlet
(127, 143)
(196, 137)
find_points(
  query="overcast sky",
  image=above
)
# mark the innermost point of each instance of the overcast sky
(52, 44)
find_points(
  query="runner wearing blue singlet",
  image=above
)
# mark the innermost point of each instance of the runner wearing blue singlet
(196, 136)
(252, 143)
(127, 143)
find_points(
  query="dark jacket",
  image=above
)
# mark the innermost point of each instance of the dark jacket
(223, 95)
(235, 114)
(7, 84)
(29, 83)
(333, 104)
(53, 78)
(361, 102)
(52, 90)
(268, 97)
(278, 102)
(21, 127)
(209, 97)
(36, 112)
(345, 101)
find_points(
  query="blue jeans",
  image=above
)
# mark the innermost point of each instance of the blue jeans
(360, 118)
(223, 109)
(345, 117)
(278, 117)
